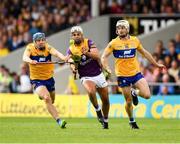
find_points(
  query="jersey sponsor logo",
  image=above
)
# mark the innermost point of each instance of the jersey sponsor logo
(130, 53)
(42, 59)
(127, 52)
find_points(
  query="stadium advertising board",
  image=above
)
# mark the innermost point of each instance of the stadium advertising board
(143, 25)
(156, 107)
(79, 106)
(30, 106)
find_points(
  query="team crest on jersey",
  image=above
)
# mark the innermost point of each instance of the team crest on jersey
(126, 46)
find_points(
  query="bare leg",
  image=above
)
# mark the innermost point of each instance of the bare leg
(44, 94)
(127, 95)
(143, 87)
(91, 90)
(90, 87)
(129, 108)
(103, 92)
(52, 95)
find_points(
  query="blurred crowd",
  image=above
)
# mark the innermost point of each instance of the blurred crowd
(11, 82)
(166, 7)
(170, 57)
(20, 19)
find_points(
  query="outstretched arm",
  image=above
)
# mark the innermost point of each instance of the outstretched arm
(149, 57)
(56, 53)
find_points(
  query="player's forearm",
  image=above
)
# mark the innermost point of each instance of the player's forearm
(149, 57)
(61, 56)
(104, 62)
(27, 59)
(57, 54)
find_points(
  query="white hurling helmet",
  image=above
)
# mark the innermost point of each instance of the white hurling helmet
(124, 23)
(77, 29)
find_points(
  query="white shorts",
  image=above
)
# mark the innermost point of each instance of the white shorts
(99, 80)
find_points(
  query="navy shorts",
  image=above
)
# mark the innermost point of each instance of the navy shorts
(49, 84)
(127, 81)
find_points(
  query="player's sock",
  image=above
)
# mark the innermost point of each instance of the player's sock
(134, 94)
(105, 124)
(58, 121)
(98, 108)
(132, 120)
(106, 119)
(133, 123)
(99, 114)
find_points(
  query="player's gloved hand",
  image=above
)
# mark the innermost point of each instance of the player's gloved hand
(76, 58)
(107, 73)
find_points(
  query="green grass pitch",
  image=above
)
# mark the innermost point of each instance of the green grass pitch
(88, 130)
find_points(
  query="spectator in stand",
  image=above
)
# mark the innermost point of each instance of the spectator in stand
(25, 84)
(165, 89)
(14, 85)
(4, 51)
(147, 73)
(114, 7)
(177, 43)
(174, 70)
(171, 51)
(167, 61)
(159, 49)
(5, 80)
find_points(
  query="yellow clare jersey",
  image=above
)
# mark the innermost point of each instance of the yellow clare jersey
(125, 54)
(77, 50)
(40, 71)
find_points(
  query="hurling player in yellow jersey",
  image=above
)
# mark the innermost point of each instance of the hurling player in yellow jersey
(41, 75)
(124, 48)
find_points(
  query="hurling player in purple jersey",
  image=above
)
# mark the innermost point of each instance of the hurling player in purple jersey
(90, 72)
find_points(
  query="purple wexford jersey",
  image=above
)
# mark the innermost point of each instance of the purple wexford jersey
(87, 66)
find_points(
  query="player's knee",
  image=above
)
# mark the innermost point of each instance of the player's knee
(147, 95)
(91, 92)
(47, 99)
